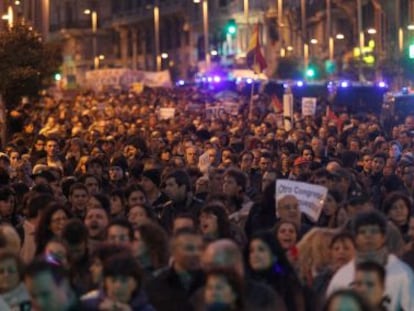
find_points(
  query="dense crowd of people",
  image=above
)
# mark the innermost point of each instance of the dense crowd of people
(107, 205)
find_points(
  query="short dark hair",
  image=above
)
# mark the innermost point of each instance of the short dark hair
(340, 237)
(77, 186)
(371, 266)
(181, 177)
(132, 188)
(122, 222)
(75, 232)
(123, 264)
(37, 203)
(238, 176)
(371, 218)
(5, 193)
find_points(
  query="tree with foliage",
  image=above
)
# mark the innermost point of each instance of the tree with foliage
(27, 63)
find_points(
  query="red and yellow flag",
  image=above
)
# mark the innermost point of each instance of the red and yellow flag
(254, 57)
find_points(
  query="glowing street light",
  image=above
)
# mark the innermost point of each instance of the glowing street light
(164, 55)
(314, 41)
(94, 26)
(372, 31)
(340, 36)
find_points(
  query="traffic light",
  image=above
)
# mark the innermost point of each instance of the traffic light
(310, 73)
(231, 27)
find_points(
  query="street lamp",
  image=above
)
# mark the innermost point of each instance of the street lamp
(206, 31)
(372, 31)
(94, 22)
(9, 16)
(164, 55)
(340, 36)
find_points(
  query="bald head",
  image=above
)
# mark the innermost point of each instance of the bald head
(223, 254)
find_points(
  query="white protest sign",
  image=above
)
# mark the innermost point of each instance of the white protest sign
(288, 111)
(310, 197)
(308, 106)
(166, 113)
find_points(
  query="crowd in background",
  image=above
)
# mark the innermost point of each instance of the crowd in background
(105, 205)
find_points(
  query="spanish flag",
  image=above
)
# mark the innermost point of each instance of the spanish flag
(254, 57)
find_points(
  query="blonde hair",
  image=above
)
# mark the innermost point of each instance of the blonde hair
(314, 252)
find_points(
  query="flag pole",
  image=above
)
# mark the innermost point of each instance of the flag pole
(252, 90)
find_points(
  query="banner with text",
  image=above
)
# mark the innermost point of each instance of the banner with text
(125, 78)
(308, 106)
(310, 197)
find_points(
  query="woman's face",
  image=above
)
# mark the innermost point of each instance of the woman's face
(9, 275)
(399, 212)
(208, 224)
(117, 206)
(120, 288)
(58, 222)
(344, 303)
(137, 215)
(260, 256)
(330, 206)
(342, 251)
(287, 236)
(218, 290)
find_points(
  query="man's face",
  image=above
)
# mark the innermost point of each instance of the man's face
(368, 284)
(191, 156)
(369, 238)
(408, 175)
(174, 191)
(39, 145)
(79, 199)
(246, 162)
(265, 164)
(230, 186)
(119, 235)
(377, 165)
(95, 169)
(367, 163)
(92, 184)
(52, 148)
(187, 251)
(116, 173)
(46, 294)
(96, 221)
(288, 209)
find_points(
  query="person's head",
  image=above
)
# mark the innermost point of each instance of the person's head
(78, 197)
(332, 202)
(191, 155)
(235, 182)
(224, 288)
(122, 278)
(184, 220)
(246, 160)
(342, 249)
(265, 252)
(117, 167)
(100, 255)
(11, 271)
(6, 201)
(346, 300)
(307, 153)
(151, 242)
(223, 253)
(118, 202)
(36, 204)
(397, 207)
(186, 246)
(139, 214)
(287, 208)
(135, 195)
(366, 159)
(75, 233)
(49, 286)
(52, 147)
(369, 230)
(92, 183)
(286, 233)
(95, 166)
(265, 162)
(369, 282)
(214, 222)
(378, 162)
(150, 180)
(177, 185)
(120, 231)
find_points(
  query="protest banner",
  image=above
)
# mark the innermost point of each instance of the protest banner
(310, 197)
(308, 106)
(166, 113)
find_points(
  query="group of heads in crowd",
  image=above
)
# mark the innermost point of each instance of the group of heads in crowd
(106, 206)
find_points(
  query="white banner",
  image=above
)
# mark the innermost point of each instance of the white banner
(288, 111)
(310, 197)
(166, 113)
(125, 78)
(308, 106)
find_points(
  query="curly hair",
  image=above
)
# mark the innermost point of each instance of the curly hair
(223, 222)
(156, 240)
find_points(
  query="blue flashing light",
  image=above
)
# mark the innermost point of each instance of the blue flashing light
(217, 79)
(249, 81)
(299, 83)
(382, 84)
(209, 79)
(285, 85)
(181, 82)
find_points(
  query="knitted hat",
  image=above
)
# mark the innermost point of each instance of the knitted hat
(154, 175)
